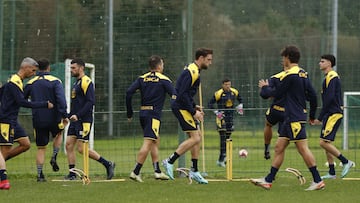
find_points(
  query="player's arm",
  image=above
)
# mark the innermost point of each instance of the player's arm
(183, 92)
(89, 91)
(329, 97)
(311, 97)
(60, 99)
(211, 102)
(18, 95)
(129, 93)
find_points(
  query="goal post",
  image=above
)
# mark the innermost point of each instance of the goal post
(346, 118)
(68, 85)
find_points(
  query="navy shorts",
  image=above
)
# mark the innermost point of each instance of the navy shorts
(293, 131)
(186, 120)
(79, 129)
(42, 134)
(151, 127)
(331, 124)
(19, 132)
(274, 116)
(7, 134)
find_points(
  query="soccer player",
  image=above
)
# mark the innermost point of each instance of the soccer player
(225, 99)
(81, 117)
(274, 114)
(47, 121)
(331, 115)
(296, 88)
(153, 87)
(12, 98)
(189, 114)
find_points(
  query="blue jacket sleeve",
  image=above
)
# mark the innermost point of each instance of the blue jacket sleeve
(21, 101)
(60, 99)
(311, 97)
(129, 93)
(183, 93)
(90, 101)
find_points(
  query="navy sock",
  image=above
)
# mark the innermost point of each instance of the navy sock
(315, 174)
(137, 168)
(173, 158)
(3, 174)
(343, 159)
(104, 161)
(156, 167)
(331, 169)
(194, 166)
(271, 176)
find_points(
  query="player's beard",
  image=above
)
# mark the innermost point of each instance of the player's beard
(203, 66)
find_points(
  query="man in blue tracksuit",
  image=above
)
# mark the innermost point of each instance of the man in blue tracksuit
(45, 87)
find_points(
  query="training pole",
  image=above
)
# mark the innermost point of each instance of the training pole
(202, 132)
(229, 159)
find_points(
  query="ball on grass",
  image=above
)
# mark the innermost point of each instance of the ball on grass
(243, 153)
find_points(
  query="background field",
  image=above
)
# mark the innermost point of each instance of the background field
(119, 36)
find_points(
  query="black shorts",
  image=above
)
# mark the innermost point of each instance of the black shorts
(331, 124)
(7, 134)
(293, 131)
(151, 127)
(79, 129)
(42, 134)
(274, 115)
(186, 120)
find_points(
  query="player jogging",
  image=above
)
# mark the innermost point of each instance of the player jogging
(331, 115)
(189, 114)
(47, 121)
(81, 117)
(153, 87)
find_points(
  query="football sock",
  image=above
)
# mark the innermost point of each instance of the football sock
(39, 169)
(271, 176)
(315, 174)
(104, 162)
(3, 175)
(70, 167)
(222, 146)
(194, 166)
(55, 152)
(137, 168)
(343, 159)
(331, 169)
(173, 158)
(156, 167)
(267, 146)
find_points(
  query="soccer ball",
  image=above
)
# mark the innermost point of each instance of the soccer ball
(327, 164)
(243, 153)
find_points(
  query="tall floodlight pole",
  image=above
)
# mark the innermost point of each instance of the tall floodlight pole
(335, 29)
(111, 63)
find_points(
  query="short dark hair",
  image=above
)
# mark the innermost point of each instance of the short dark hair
(43, 64)
(292, 52)
(226, 80)
(331, 58)
(78, 61)
(154, 61)
(202, 52)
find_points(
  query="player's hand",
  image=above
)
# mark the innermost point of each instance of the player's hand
(263, 83)
(199, 108)
(65, 121)
(315, 122)
(240, 109)
(73, 118)
(50, 105)
(219, 114)
(199, 115)
(129, 119)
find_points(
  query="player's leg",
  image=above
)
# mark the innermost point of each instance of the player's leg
(280, 146)
(195, 152)
(70, 153)
(158, 174)
(57, 140)
(23, 141)
(41, 139)
(222, 153)
(141, 157)
(328, 133)
(4, 182)
(267, 139)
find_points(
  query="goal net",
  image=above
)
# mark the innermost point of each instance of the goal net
(351, 114)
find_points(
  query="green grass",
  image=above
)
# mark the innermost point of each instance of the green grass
(123, 150)
(285, 189)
